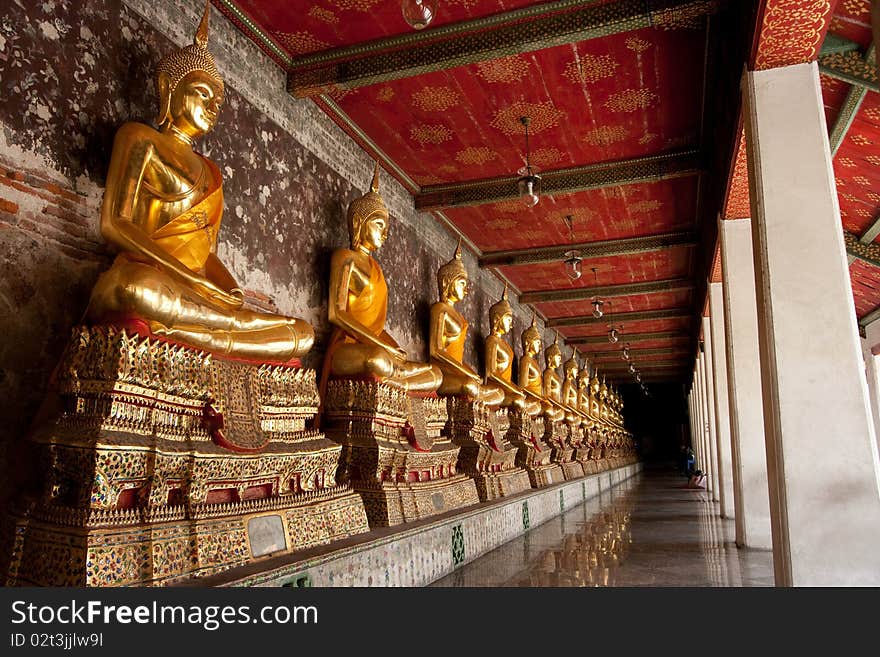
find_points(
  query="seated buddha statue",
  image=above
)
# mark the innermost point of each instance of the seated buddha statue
(499, 358)
(595, 384)
(552, 382)
(448, 334)
(162, 209)
(358, 306)
(570, 389)
(583, 390)
(530, 380)
(603, 400)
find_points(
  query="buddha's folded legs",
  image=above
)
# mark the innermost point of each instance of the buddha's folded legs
(174, 311)
(455, 383)
(355, 359)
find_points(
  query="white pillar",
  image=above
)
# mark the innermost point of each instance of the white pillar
(711, 436)
(870, 349)
(722, 416)
(750, 494)
(701, 415)
(822, 459)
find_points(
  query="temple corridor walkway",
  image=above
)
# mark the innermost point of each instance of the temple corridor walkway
(649, 531)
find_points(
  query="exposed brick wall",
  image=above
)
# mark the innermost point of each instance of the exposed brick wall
(289, 173)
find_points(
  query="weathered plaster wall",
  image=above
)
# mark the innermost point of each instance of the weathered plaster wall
(70, 73)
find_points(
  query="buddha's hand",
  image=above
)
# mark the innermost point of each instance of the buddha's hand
(234, 298)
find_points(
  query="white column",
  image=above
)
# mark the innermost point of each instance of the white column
(870, 349)
(750, 495)
(822, 459)
(701, 416)
(722, 416)
(711, 437)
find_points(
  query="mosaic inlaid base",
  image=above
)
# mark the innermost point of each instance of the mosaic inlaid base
(159, 460)
(485, 453)
(394, 453)
(533, 454)
(556, 435)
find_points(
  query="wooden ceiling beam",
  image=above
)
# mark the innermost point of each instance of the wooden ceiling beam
(457, 44)
(587, 250)
(848, 111)
(656, 168)
(642, 315)
(635, 353)
(850, 67)
(607, 292)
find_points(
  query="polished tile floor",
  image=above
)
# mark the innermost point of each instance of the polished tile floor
(649, 531)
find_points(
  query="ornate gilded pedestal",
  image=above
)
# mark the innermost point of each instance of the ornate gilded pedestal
(393, 451)
(162, 462)
(532, 453)
(580, 449)
(485, 454)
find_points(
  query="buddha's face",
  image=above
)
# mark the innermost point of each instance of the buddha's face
(534, 345)
(504, 323)
(554, 361)
(195, 104)
(374, 231)
(458, 289)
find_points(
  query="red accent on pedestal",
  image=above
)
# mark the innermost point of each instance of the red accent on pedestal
(490, 438)
(222, 496)
(409, 433)
(535, 443)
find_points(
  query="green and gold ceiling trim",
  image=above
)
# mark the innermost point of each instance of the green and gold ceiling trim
(607, 291)
(587, 250)
(642, 315)
(631, 339)
(564, 181)
(518, 31)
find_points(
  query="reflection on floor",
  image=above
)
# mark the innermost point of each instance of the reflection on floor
(649, 531)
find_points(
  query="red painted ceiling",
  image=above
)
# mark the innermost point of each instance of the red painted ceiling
(607, 99)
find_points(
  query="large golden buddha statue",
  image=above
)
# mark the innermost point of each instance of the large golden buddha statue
(448, 334)
(499, 358)
(570, 389)
(583, 387)
(359, 304)
(162, 209)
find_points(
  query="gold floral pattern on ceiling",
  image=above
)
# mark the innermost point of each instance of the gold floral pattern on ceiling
(860, 9)
(323, 15)
(476, 155)
(649, 205)
(356, 5)
(638, 45)
(681, 18)
(508, 207)
(873, 113)
(861, 140)
(846, 162)
(512, 68)
(864, 182)
(385, 94)
(300, 43)
(647, 138)
(546, 157)
(502, 224)
(631, 100)
(428, 179)
(425, 133)
(590, 68)
(579, 215)
(873, 159)
(606, 135)
(874, 197)
(543, 116)
(435, 99)
(792, 32)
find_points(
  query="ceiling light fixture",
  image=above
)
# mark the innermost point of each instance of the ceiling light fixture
(572, 258)
(624, 354)
(418, 13)
(529, 183)
(597, 302)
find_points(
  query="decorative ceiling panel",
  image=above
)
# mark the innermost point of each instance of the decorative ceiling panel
(314, 25)
(866, 287)
(647, 344)
(857, 168)
(638, 302)
(614, 270)
(597, 101)
(599, 214)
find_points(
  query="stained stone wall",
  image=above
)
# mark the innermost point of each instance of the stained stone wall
(71, 72)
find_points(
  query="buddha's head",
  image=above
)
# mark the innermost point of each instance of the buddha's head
(368, 218)
(501, 315)
(452, 278)
(553, 354)
(595, 384)
(571, 368)
(189, 86)
(603, 390)
(584, 376)
(531, 339)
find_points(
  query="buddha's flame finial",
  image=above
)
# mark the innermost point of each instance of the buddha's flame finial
(458, 249)
(201, 38)
(504, 294)
(374, 186)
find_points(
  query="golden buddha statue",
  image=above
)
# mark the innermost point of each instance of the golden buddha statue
(162, 209)
(603, 400)
(570, 390)
(358, 305)
(448, 334)
(530, 379)
(499, 358)
(583, 390)
(552, 383)
(595, 385)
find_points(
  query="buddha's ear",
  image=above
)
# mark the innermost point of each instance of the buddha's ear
(163, 84)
